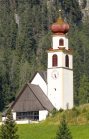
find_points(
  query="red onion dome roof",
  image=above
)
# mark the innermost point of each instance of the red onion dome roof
(60, 27)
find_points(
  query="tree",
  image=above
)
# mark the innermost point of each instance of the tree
(44, 17)
(24, 74)
(63, 131)
(84, 91)
(84, 3)
(9, 129)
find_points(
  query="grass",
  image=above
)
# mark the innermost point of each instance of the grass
(42, 131)
(76, 116)
(77, 119)
(36, 131)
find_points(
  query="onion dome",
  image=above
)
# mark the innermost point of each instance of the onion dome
(60, 27)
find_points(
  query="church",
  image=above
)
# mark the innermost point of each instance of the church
(51, 88)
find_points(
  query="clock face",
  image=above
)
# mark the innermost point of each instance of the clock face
(55, 74)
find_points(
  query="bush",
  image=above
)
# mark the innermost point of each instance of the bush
(53, 112)
(61, 110)
(87, 116)
(77, 112)
(84, 110)
(74, 108)
(48, 114)
(67, 106)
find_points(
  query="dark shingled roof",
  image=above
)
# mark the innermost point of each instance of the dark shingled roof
(9, 104)
(41, 97)
(4, 113)
(37, 91)
(43, 74)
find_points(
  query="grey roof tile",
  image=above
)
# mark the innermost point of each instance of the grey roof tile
(41, 96)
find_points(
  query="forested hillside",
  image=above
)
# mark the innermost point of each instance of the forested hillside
(25, 35)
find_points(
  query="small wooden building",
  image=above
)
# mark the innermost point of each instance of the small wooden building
(31, 103)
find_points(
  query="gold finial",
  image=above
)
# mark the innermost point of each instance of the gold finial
(59, 13)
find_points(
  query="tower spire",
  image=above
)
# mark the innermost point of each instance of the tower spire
(59, 13)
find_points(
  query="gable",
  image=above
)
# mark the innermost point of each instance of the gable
(27, 102)
(38, 80)
(43, 75)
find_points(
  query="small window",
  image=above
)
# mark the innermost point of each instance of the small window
(67, 61)
(61, 42)
(54, 60)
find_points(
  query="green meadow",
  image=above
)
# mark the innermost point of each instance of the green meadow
(42, 131)
(76, 118)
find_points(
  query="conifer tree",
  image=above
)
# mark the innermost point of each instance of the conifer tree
(44, 17)
(84, 91)
(9, 129)
(84, 3)
(63, 131)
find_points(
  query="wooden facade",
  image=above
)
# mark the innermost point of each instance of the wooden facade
(30, 103)
(27, 102)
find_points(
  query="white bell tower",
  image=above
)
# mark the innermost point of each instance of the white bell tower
(60, 67)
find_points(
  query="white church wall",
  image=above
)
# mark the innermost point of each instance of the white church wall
(38, 80)
(67, 88)
(56, 42)
(55, 88)
(14, 115)
(3, 118)
(42, 114)
(66, 43)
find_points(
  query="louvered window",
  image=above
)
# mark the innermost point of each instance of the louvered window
(67, 61)
(54, 60)
(61, 42)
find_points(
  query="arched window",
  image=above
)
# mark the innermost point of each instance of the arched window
(61, 42)
(54, 60)
(67, 61)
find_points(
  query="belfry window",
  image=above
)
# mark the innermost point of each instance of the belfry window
(61, 42)
(67, 61)
(54, 60)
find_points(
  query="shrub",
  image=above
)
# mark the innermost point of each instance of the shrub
(67, 106)
(84, 110)
(61, 110)
(48, 114)
(74, 108)
(77, 112)
(53, 112)
(87, 116)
